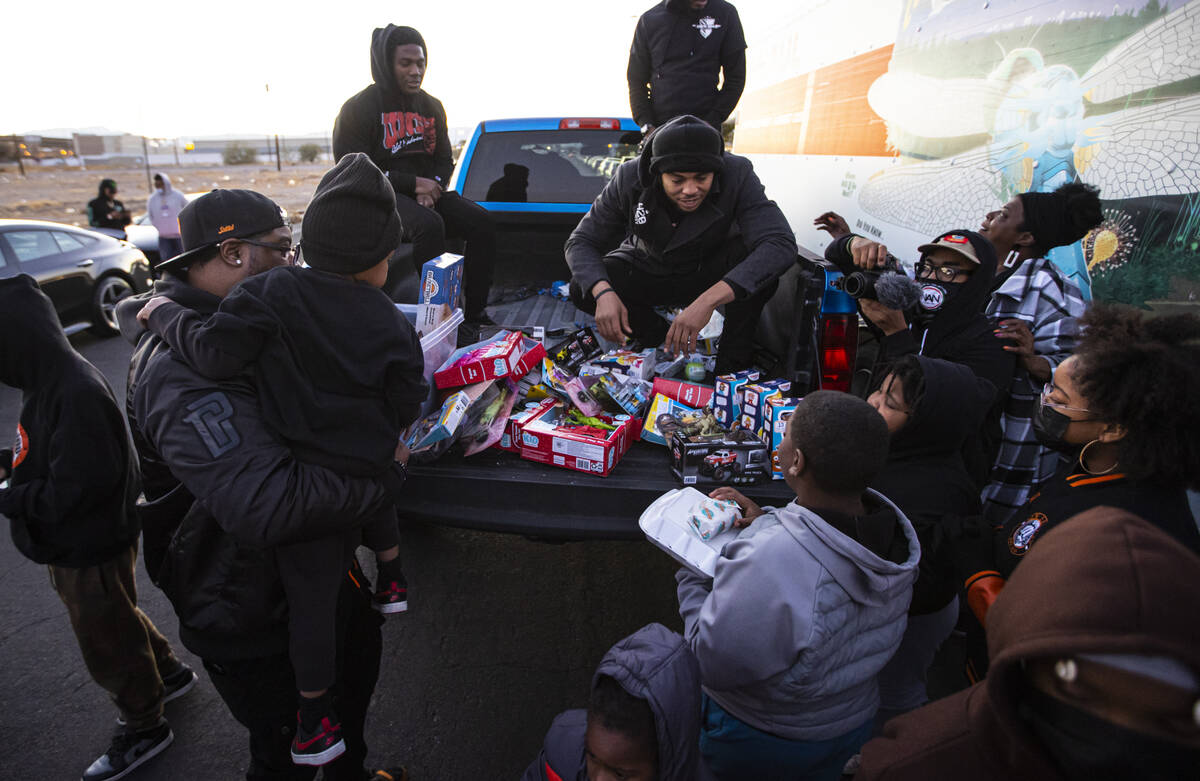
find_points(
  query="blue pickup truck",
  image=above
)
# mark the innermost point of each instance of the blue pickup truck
(538, 177)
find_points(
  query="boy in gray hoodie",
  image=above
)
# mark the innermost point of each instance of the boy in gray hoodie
(806, 605)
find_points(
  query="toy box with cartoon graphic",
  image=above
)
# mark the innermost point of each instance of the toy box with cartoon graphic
(507, 354)
(754, 406)
(577, 348)
(733, 458)
(779, 411)
(727, 396)
(441, 279)
(565, 437)
(510, 440)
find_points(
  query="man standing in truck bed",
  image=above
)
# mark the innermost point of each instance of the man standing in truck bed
(679, 49)
(403, 130)
(683, 225)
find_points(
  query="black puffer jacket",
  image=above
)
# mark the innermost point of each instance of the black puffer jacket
(251, 495)
(631, 216)
(74, 471)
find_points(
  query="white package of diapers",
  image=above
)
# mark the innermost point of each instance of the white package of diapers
(710, 517)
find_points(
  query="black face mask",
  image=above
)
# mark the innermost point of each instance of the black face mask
(1088, 748)
(1050, 426)
(934, 297)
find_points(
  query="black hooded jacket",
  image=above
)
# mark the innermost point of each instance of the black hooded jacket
(74, 477)
(676, 57)
(924, 474)
(631, 216)
(100, 207)
(653, 664)
(405, 135)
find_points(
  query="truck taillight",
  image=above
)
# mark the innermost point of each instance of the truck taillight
(839, 346)
(589, 123)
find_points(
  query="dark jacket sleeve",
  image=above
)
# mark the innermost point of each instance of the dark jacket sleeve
(352, 132)
(405, 384)
(733, 70)
(637, 73)
(602, 229)
(769, 239)
(443, 153)
(218, 345)
(216, 444)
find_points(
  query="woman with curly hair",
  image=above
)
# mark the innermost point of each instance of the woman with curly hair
(1123, 409)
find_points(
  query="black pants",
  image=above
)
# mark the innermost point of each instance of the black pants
(261, 695)
(641, 291)
(458, 217)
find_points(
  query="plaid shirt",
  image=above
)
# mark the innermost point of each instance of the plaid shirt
(1038, 293)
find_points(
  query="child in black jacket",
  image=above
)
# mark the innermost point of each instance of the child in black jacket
(339, 373)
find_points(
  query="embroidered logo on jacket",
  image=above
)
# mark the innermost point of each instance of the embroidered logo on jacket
(1022, 536)
(706, 26)
(210, 416)
(20, 447)
(403, 130)
(640, 215)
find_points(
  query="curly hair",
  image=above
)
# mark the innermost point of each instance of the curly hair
(1144, 375)
(616, 709)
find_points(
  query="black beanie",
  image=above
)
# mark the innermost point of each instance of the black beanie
(686, 143)
(351, 222)
(1063, 216)
(402, 36)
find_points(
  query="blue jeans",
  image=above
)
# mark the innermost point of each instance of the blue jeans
(169, 247)
(735, 750)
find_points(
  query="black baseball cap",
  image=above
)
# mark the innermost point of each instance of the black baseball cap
(220, 215)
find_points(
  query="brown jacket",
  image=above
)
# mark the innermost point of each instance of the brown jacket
(1105, 581)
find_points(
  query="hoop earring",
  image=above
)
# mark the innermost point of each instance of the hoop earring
(1083, 463)
(1011, 258)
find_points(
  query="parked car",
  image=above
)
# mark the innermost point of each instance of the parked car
(84, 273)
(143, 235)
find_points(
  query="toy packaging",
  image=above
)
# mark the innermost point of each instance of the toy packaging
(687, 393)
(734, 458)
(566, 437)
(440, 426)
(441, 279)
(507, 354)
(754, 406)
(727, 398)
(510, 440)
(569, 387)
(666, 409)
(640, 365)
(710, 517)
(487, 417)
(619, 395)
(578, 347)
(779, 411)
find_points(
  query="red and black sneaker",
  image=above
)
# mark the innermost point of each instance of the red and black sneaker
(319, 746)
(392, 597)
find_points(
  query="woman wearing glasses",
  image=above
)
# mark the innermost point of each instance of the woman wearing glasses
(1123, 411)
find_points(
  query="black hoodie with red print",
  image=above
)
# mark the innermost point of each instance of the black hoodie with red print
(405, 135)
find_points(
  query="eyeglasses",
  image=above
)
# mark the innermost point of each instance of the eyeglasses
(1049, 388)
(925, 270)
(288, 251)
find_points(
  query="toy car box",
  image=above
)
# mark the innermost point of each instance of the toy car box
(510, 440)
(555, 437)
(507, 354)
(735, 458)
(441, 279)
(640, 365)
(779, 411)
(754, 406)
(577, 348)
(727, 396)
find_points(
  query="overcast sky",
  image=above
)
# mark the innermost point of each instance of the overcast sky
(200, 68)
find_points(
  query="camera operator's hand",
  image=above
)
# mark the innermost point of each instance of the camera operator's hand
(867, 254)
(612, 318)
(833, 224)
(890, 321)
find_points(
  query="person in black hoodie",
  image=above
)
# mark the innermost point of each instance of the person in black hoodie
(403, 130)
(931, 407)
(339, 391)
(105, 211)
(680, 47)
(642, 720)
(222, 493)
(73, 484)
(683, 225)
(955, 274)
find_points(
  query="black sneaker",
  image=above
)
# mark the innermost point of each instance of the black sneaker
(392, 597)
(129, 750)
(178, 683)
(320, 746)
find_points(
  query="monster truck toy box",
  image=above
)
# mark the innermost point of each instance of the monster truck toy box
(733, 458)
(554, 437)
(507, 354)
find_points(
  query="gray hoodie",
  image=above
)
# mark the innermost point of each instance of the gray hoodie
(653, 664)
(164, 207)
(796, 623)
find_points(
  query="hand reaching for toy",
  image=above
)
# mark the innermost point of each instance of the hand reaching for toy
(750, 510)
(681, 339)
(612, 318)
